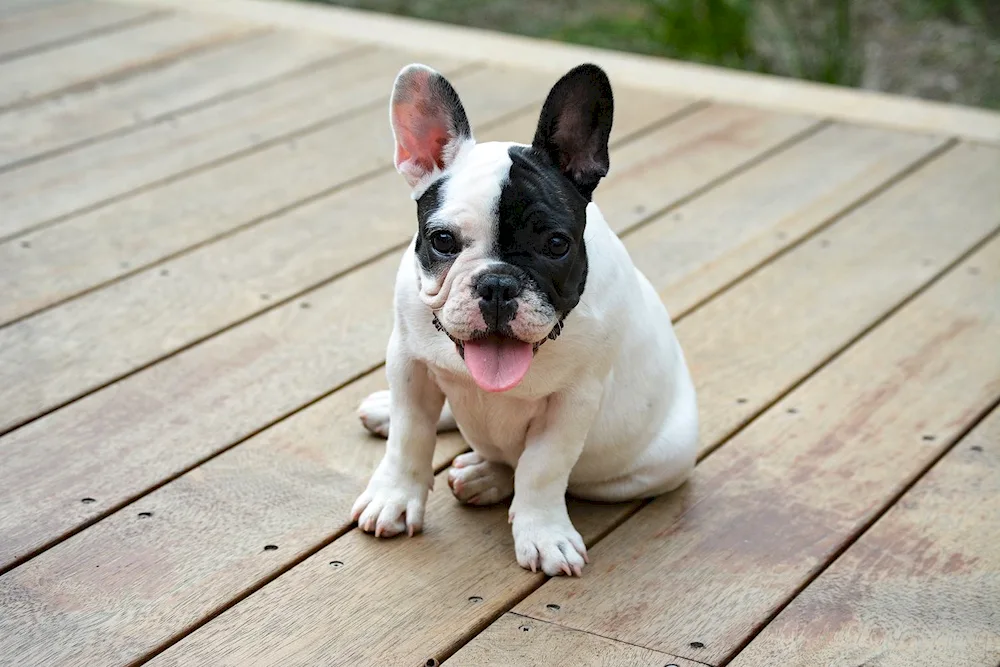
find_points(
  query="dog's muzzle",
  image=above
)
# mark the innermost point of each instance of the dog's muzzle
(556, 330)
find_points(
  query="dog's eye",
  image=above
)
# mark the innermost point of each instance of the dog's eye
(444, 243)
(557, 245)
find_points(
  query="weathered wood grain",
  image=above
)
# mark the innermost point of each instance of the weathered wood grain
(276, 117)
(427, 618)
(419, 611)
(138, 432)
(132, 323)
(165, 308)
(293, 483)
(395, 212)
(704, 245)
(13, 7)
(840, 280)
(197, 79)
(219, 573)
(32, 31)
(40, 74)
(695, 573)
(528, 642)
(126, 236)
(919, 588)
(222, 550)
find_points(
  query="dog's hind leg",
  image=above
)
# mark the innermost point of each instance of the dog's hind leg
(374, 414)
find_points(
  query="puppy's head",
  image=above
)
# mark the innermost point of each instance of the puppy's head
(500, 250)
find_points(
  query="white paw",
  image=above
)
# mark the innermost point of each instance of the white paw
(374, 413)
(476, 481)
(547, 541)
(393, 503)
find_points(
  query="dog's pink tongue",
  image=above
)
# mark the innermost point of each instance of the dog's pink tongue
(498, 364)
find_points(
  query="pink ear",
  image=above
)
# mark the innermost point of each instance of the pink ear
(428, 122)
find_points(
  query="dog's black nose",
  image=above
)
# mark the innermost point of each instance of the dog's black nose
(498, 289)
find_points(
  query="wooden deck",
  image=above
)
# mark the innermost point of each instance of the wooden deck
(199, 229)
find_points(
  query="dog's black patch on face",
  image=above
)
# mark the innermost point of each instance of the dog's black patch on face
(541, 219)
(428, 248)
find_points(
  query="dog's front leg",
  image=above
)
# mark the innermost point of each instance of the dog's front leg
(544, 536)
(397, 492)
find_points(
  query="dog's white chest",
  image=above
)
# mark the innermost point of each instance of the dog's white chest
(495, 425)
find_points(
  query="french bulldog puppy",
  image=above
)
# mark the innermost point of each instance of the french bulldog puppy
(521, 320)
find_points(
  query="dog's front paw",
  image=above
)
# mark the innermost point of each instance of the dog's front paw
(549, 542)
(393, 503)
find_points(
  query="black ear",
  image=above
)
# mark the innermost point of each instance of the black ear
(575, 124)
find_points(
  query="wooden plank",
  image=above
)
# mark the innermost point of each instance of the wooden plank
(919, 588)
(673, 77)
(121, 239)
(505, 579)
(340, 467)
(878, 250)
(295, 107)
(273, 466)
(12, 7)
(527, 642)
(231, 276)
(119, 54)
(167, 418)
(198, 79)
(48, 274)
(99, 332)
(371, 142)
(700, 247)
(695, 573)
(678, 160)
(32, 31)
(425, 583)
(217, 269)
(241, 191)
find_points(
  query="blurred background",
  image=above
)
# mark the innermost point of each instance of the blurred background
(946, 50)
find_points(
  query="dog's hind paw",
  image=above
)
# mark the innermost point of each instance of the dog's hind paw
(476, 481)
(374, 413)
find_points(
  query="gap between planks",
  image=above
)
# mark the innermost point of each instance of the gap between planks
(959, 478)
(87, 33)
(637, 133)
(733, 173)
(685, 111)
(934, 280)
(352, 112)
(156, 119)
(966, 425)
(995, 234)
(776, 94)
(124, 71)
(877, 516)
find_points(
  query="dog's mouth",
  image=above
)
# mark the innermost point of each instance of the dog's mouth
(497, 362)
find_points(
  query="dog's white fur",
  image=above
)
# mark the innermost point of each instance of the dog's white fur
(607, 412)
